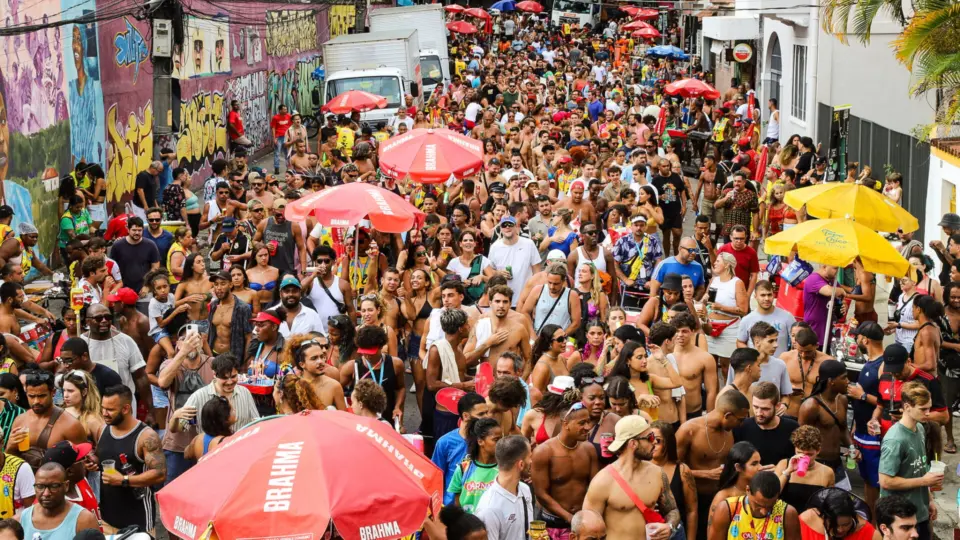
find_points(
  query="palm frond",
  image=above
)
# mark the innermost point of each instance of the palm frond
(929, 33)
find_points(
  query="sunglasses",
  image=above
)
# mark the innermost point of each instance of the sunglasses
(506, 225)
(421, 254)
(324, 261)
(650, 438)
(154, 220)
(560, 339)
(368, 297)
(257, 210)
(578, 406)
(99, 318)
(41, 377)
(591, 380)
(312, 343)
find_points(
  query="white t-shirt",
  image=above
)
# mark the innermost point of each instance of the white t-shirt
(396, 121)
(549, 56)
(518, 117)
(503, 512)
(510, 173)
(612, 106)
(520, 257)
(119, 353)
(155, 310)
(306, 320)
(472, 111)
(464, 270)
(23, 487)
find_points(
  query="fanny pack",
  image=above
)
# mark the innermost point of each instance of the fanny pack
(649, 515)
(717, 327)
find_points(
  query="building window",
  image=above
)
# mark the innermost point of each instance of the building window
(798, 105)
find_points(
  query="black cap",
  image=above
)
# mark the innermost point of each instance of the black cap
(869, 330)
(949, 219)
(830, 369)
(672, 282)
(7, 211)
(498, 187)
(894, 358)
(219, 275)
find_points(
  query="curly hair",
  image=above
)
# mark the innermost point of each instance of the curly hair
(552, 405)
(370, 395)
(299, 395)
(806, 438)
(291, 351)
(346, 347)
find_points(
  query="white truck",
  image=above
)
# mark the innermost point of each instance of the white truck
(579, 12)
(383, 63)
(428, 21)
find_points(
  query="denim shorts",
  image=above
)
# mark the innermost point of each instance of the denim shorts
(160, 335)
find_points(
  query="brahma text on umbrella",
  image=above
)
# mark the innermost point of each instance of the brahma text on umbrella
(381, 202)
(391, 449)
(283, 471)
(380, 530)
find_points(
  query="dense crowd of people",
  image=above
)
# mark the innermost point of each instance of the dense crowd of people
(580, 366)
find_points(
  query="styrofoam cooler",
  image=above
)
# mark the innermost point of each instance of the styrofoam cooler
(790, 298)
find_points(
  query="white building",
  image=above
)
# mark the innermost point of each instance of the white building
(810, 71)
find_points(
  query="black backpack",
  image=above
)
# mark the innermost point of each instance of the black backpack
(192, 381)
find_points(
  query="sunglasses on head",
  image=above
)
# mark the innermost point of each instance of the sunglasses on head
(578, 406)
(39, 377)
(586, 381)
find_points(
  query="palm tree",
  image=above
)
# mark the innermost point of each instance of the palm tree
(929, 45)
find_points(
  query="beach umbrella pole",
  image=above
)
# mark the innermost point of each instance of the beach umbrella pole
(829, 332)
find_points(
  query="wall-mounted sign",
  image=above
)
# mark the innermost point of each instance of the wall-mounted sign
(742, 52)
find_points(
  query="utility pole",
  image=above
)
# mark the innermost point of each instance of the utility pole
(360, 6)
(167, 29)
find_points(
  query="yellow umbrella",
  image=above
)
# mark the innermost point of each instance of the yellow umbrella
(859, 203)
(837, 242)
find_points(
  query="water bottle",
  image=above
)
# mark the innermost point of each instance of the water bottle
(126, 469)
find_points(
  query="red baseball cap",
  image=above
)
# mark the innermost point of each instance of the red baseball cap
(125, 295)
(263, 316)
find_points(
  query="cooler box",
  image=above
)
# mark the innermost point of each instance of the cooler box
(790, 298)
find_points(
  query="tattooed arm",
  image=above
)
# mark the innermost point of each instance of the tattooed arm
(154, 462)
(666, 504)
(690, 499)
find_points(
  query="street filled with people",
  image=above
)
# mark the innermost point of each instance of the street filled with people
(609, 328)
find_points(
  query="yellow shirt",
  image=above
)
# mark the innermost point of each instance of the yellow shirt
(345, 138)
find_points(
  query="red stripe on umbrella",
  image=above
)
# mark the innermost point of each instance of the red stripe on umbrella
(661, 120)
(289, 477)
(348, 204)
(454, 8)
(761, 164)
(646, 13)
(636, 25)
(479, 13)
(646, 33)
(431, 156)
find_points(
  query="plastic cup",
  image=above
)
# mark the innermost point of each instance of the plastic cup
(651, 529)
(24, 445)
(803, 464)
(605, 440)
(108, 466)
(937, 467)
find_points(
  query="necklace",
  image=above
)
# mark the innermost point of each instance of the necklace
(574, 447)
(706, 432)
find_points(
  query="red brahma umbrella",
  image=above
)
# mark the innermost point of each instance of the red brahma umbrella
(431, 156)
(454, 8)
(462, 27)
(646, 33)
(645, 13)
(346, 205)
(290, 477)
(636, 25)
(530, 6)
(692, 88)
(479, 13)
(355, 100)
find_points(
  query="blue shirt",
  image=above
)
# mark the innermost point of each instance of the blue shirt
(869, 380)
(595, 109)
(447, 455)
(673, 266)
(163, 243)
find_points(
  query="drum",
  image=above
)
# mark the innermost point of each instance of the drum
(172, 226)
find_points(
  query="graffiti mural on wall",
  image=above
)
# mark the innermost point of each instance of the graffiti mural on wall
(205, 49)
(85, 96)
(341, 20)
(248, 46)
(291, 31)
(250, 91)
(129, 148)
(292, 87)
(203, 131)
(131, 48)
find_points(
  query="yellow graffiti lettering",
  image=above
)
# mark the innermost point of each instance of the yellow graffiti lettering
(341, 19)
(202, 129)
(129, 150)
(291, 31)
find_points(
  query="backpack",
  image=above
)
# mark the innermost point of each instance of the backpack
(192, 381)
(949, 359)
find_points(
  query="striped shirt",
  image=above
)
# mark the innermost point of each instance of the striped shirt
(242, 402)
(9, 413)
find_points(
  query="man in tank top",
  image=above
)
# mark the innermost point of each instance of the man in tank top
(282, 238)
(328, 293)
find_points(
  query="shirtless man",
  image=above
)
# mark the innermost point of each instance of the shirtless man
(499, 330)
(130, 320)
(258, 191)
(697, 367)
(310, 361)
(582, 209)
(220, 325)
(926, 344)
(391, 295)
(703, 444)
(711, 181)
(826, 410)
(745, 364)
(562, 469)
(487, 128)
(299, 161)
(11, 299)
(803, 363)
(33, 423)
(633, 445)
(673, 407)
